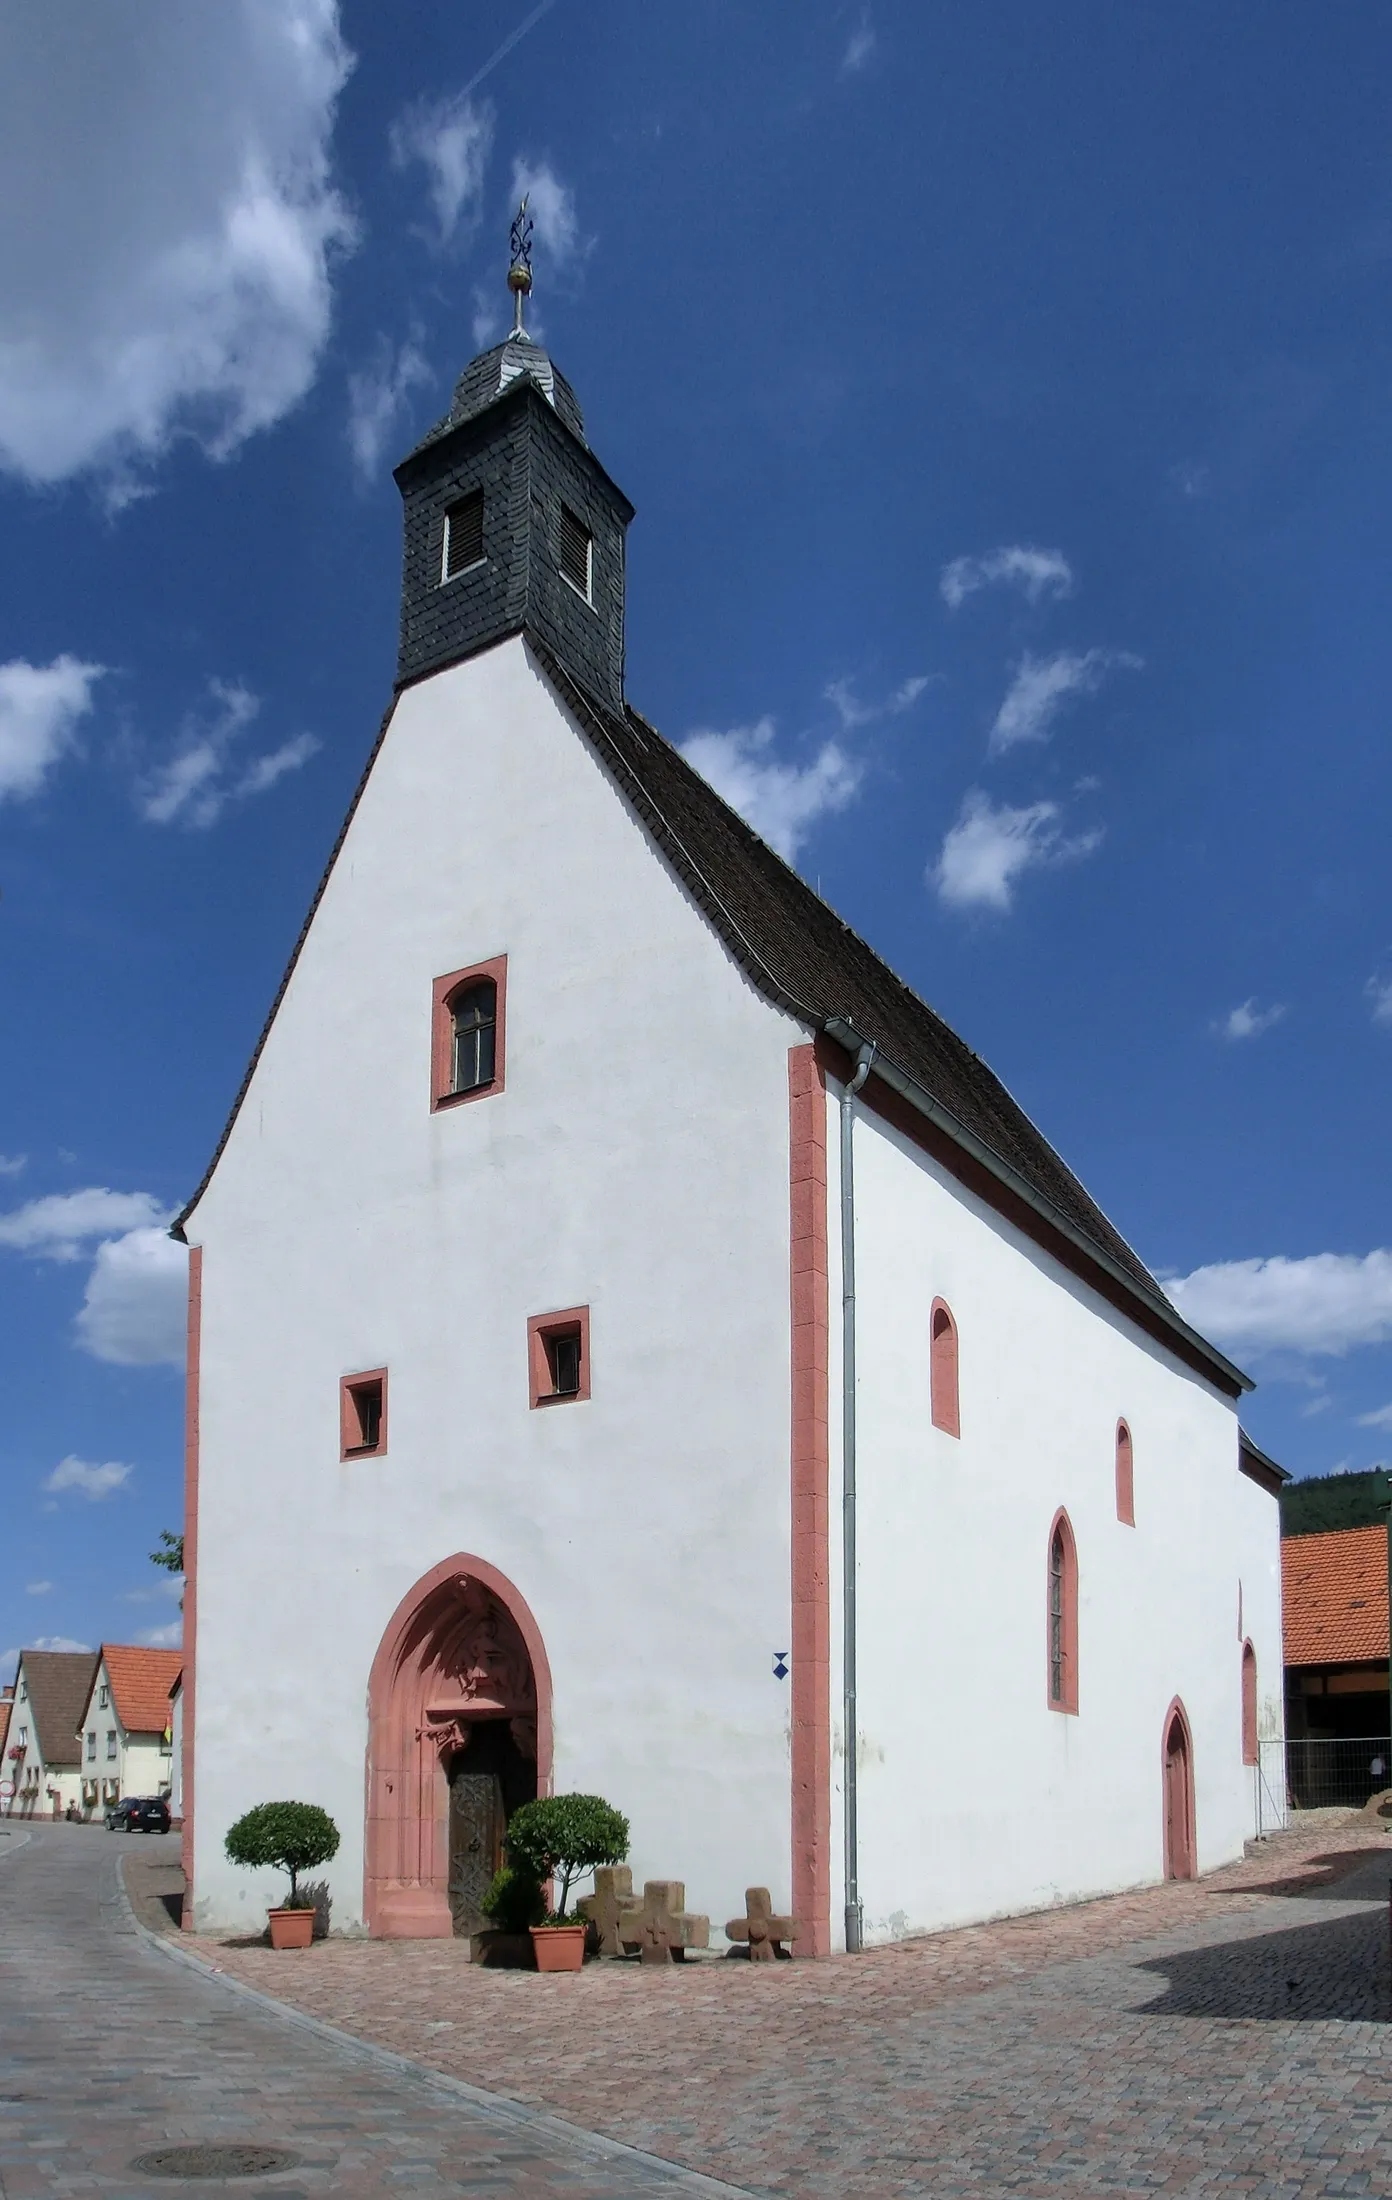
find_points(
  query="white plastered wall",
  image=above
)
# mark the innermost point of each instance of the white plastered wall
(1259, 1621)
(637, 1162)
(976, 1799)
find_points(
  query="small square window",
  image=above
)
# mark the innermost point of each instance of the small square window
(577, 552)
(463, 543)
(558, 1353)
(363, 1415)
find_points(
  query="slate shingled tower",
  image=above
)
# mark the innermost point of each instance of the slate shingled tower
(540, 525)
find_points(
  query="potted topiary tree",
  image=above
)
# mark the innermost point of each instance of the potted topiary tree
(290, 1837)
(563, 1837)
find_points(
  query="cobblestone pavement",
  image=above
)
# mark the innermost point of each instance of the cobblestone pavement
(1227, 2036)
(109, 2047)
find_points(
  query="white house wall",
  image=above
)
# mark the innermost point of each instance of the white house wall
(1259, 1613)
(637, 1163)
(975, 1797)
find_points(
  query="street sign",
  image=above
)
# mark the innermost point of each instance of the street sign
(7, 1787)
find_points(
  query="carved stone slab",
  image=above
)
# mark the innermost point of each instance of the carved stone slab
(613, 1888)
(661, 1927)
(764, 1932)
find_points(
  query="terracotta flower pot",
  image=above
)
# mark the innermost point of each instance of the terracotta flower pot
(291, 1928)
(559, 1947)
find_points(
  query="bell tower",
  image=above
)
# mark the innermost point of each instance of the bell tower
(511, 524)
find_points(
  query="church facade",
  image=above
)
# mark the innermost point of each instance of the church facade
(636, 1347)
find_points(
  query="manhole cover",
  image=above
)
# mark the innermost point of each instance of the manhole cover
(214, 2161)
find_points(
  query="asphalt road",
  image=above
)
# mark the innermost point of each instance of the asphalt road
(111, 2047)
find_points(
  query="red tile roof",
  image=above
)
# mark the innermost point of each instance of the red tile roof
(1334, 1589)
(140, 1685)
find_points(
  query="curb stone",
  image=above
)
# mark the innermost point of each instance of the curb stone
(496, 2107)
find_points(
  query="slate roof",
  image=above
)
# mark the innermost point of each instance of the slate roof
(796, 949)
(485, 378)
(60, 1681)
(140, 1683)
(1334, 1596)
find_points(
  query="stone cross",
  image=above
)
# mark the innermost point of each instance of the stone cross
(661, 1927)
(613, 1888)
(764, 1932)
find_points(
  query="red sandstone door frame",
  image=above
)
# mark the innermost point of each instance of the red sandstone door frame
(1177, 1792)
(405, 1863)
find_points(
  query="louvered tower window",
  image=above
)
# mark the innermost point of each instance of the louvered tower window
(463, 535)
(577, 551)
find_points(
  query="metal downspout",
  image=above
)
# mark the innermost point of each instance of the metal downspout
(850, 1728)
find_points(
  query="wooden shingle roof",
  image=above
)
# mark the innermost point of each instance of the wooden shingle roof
(59, 1683)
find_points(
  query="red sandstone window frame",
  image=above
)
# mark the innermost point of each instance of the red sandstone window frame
(542, 1332)
(444, 992)
(1061, 1616)
(943, 1372)
(1125, 1476)
(350, 1425)
(1251, 1751)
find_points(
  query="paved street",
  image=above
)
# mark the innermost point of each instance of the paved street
(109, 2048)
(1230, 2036)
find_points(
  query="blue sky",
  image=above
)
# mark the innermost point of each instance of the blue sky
(1003, 395)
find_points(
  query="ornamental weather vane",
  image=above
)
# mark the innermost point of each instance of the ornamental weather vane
(520, 272)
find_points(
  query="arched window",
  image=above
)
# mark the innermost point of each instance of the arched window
(1125, 1476)
(1063, 1616)
(467, 1033)
(473, 1035)
(1250, 1752)
(942, 1357)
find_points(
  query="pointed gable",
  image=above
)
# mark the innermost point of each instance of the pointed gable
(59, 1682)
(140, 1683)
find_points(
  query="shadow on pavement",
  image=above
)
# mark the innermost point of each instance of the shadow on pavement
(1326, 1874)
(1339, 1969)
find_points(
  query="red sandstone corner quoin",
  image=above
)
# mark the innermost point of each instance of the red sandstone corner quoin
(415, 1696)
(811, 1602)
(195, 1327)
(442, 1033)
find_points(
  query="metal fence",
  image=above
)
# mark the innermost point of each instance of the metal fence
(1320, 1774)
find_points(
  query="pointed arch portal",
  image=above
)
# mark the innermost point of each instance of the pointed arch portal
(1178, 1789)
(460, 1679)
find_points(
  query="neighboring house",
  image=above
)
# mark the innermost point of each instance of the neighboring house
(176, 1747)
(525, 1451)
(124, 1728)
(1336, 1643)
(6, 1771)
(41, 1752)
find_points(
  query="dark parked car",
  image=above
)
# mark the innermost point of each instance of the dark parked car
(138, 1814)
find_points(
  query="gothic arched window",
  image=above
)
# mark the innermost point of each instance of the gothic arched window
(1063, 1617)
(1125, 1476)
(1250, 1751)
(942, 1370)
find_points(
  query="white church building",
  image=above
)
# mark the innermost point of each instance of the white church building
(636, 1347)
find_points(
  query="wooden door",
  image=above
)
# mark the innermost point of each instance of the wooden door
(1179, 1803)
(476, 1823)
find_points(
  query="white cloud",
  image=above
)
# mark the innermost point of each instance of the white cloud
(1015, 565)
(13, 1164)
(860, 47)
(989, 848)
(1041, 687)
(1379, 992)
(37, 1588)
(135, 1309)
(60, 1225)
(171, 272)
(781, 801)
(1382, 1418)
(1247, 1021)
(852, 712)
(194, 786)
(452, 139)
(94, 1482)
(40, 709)
(164, 1638)
(1323, 1304)
(551, 205)
(377, 398)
